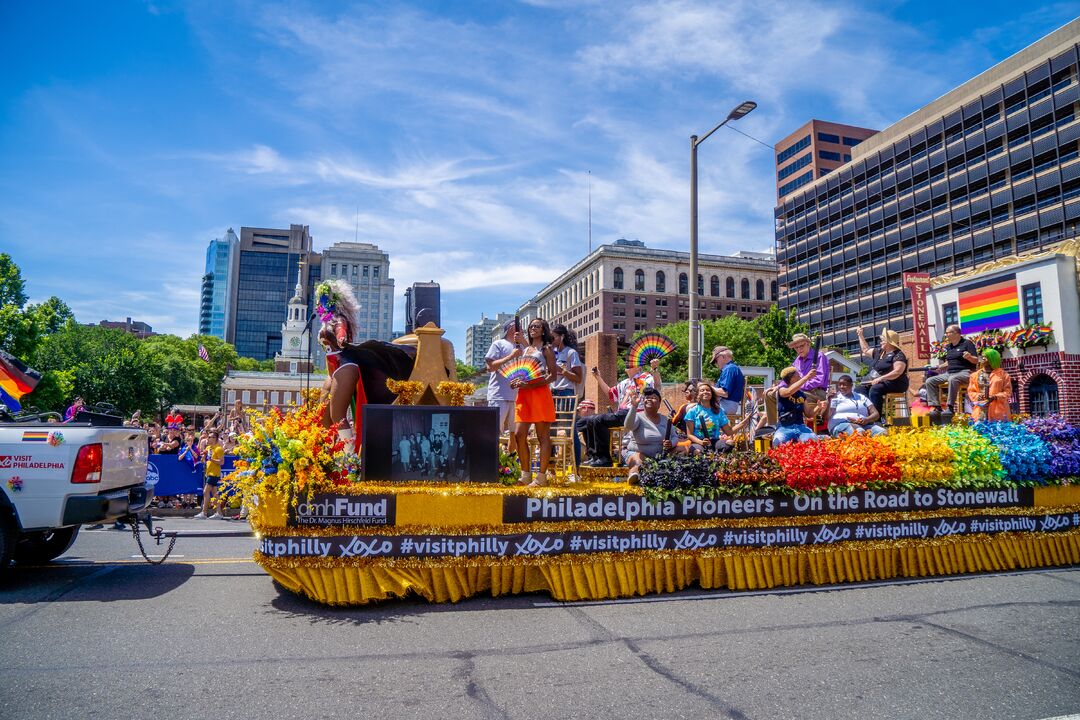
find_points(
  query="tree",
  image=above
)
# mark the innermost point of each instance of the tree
(22, 326)
(777, 328)
(466, 372)
(734, 332)
(99, 364)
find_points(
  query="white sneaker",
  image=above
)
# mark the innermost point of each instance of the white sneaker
(200, 516)
(217, 516)
(243, 513)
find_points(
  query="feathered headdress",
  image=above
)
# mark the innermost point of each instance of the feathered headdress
(336, 300)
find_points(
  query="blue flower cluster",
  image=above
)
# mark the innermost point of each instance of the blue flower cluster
(1064, 441)
(1024, 455)
(270, 465)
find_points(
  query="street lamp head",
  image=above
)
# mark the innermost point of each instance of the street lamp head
(741, 110)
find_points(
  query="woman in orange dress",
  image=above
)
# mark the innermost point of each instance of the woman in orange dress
(534, 404)
(990, 388)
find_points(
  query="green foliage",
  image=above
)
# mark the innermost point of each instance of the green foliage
(465, 372)
(776, 329)
(22, 325)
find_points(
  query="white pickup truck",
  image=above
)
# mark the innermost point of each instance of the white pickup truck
(56, 477)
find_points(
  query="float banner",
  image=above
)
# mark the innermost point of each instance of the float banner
(524, 509)
(917, 283)
(541, 544)
(172, 476)
(331, 509)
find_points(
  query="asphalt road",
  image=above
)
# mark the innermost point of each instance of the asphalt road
(101, 634)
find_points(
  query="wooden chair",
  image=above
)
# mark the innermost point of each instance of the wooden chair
(896, 406)
(563, 462)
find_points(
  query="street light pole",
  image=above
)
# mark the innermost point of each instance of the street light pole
(694, 368)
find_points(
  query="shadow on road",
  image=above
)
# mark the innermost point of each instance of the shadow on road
(92, 583)
(402, 610)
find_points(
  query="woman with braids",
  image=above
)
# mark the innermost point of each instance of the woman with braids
(534, 404)
(358, 373)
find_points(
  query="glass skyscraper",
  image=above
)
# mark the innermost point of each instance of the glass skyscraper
(214, 311)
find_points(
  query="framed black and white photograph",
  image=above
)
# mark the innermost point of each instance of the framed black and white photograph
(430, 443)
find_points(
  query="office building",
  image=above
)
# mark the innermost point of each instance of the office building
(422, 296)
(478, 337)
(985, 172)
(367, 269)
(625, 287)
(214, 308)
(813, 151)
(262, 285)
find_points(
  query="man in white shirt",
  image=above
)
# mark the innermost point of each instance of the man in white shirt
(851, 412)
(499, 393)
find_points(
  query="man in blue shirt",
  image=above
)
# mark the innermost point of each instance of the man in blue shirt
(731, 385)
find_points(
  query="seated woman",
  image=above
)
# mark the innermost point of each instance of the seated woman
(888, 367)
(789, 405)
(649, 433)
(990, 388)
(705, 421)
(678, 418)
(851, 412)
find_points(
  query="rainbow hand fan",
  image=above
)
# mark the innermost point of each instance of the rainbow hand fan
(524, 368)
(648, 347)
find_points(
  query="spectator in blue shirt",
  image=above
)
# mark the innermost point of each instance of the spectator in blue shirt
(730, 385)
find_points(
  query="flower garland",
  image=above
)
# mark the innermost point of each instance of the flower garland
(455, 392)
(810, 466)
(992, 339)
(978, 461)
(1024, 455)
(866, 460)
(924, 458)
(407, 391)
(1032, 336)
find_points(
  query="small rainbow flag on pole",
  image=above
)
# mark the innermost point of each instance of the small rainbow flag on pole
(989, 304)
(16, 380)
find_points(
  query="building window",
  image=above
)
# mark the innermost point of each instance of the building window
(639, 280)
(333, 268)
(355, 270)
(828, 137)
(772, 290)
(730, 287)
(1043, 394)
(797, 165)
(366, 269)
(700, 285)
(851, 142)
(232, 396)
(829, 155)
(684, 287)
(796, 183)
(803, 143)
(661, 281)
(949, 316)
(714, 286)
(745, 286)
(1033, 304)
(760, 289)
(618, 279)
(375, 271)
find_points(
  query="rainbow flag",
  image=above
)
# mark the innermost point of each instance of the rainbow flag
(989, 304)
(16, 380)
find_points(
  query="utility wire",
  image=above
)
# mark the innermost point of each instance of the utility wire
(732, 127)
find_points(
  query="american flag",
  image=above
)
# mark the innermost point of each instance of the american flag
(203, 354)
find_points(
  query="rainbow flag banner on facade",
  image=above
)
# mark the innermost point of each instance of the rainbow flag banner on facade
(989, 304)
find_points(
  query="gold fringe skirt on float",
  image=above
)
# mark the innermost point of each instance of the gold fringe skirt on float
(346, 581)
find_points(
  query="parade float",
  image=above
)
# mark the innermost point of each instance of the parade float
(918, 502)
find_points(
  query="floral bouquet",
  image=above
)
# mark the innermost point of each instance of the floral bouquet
(938, 349)
(509, 467)
(291, 454)
(866, 460)
(1024, 455)
(924, 458)
(1063, 441)
(810, 466)
(678, 476)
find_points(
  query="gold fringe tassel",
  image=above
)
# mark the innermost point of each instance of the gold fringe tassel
(582, 578)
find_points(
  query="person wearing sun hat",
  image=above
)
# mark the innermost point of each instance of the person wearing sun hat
(990, 388)
(807, 359)
(790, 400)
(888, 368)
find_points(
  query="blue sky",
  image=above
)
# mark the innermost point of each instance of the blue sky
(463, 133)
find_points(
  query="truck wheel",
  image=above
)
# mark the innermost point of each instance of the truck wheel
(7, 544)
(36, 548)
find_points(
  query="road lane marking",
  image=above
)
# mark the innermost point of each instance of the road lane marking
(91, 563)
